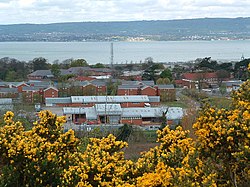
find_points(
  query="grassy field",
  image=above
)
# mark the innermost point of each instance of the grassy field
(219, 102)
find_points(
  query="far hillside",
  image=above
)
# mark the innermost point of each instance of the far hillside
(185, 29)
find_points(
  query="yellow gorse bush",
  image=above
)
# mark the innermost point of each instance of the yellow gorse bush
(46, 156)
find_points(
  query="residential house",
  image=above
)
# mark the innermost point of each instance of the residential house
(40, 75)
(232, 85)
(199, 80)
(50, 92)
(148, 90)
(9, 92)
(32, 94)
(128, 90)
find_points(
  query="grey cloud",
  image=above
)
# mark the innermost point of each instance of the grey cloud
(115, 10)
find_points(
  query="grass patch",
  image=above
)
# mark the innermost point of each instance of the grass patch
(219, 102)
(180, 103)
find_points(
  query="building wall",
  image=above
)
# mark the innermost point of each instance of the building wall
(20, 88)
(126, 105)
(50, 93)
(101, 90)
(132, 121)
(149, 91)
(127, 92)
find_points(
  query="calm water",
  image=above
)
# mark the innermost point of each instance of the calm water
(94, 52)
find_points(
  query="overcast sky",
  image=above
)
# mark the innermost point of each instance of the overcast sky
(52, 11)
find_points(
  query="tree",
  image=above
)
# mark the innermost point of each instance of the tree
(149, 60)
(124, 132)
(98, 65)
(55, 70)
(166, 74)
(78, 63)
(223, 89)
(222, 75)
(163, 81)
(40, 64)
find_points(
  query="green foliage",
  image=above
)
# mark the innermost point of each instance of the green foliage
(78, 63)
(55, 70)
(163, 81)
(40, 64)
(98, 65)
(124, 132)
(240, 69)
(166, 74)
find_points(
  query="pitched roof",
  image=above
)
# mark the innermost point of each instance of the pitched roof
(84, 78)
(148, 83)
(98, 82)
(8, 90)
(109, 99)
(30, 88)
(42, 73)
(77, 70)
(199, 76)
(165, 86)
(109, 109)
(146, 86)
(124, 87)
(50, 87)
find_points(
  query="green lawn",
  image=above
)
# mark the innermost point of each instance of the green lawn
(219, 102)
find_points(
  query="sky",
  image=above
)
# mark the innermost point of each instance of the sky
(54, 11)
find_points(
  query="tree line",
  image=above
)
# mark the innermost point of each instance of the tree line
(12, 69)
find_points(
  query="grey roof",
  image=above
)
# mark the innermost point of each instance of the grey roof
(109, 109)
(8, 90)
(148, 83)
(81, 83)
(142, 112)
(91, 113)
(109, 99)
(64, 72)
(105, 70)
(57, 100)
(165, 86)
(115, 109)
(77, 70)
(124, 87)
(5, 101)
(154, 99)
(232, 83)
(42, 73)
(32, 88)
(125, 82)
(41, 84)
(174, 113)
(3, 84)
(98, 82)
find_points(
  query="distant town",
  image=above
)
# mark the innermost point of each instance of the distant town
(139, 94)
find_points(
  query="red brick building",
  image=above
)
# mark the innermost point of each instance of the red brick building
(128, 90)
(148, 90)
(50, 92)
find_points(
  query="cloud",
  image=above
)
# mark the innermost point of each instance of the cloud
(49, 11)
